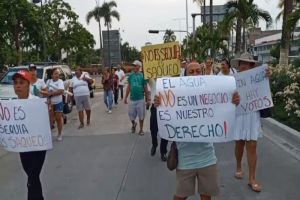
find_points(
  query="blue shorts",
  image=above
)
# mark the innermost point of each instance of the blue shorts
(58, 107)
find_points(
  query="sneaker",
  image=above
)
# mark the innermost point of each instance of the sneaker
(133, 127)
(163, 157)
(80, 126)
(59, 138)
(109, 112)
(153, 151)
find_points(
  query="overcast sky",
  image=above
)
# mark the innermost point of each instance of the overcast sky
(138, 16)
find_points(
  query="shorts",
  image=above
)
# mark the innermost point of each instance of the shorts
(207, 179)
(137, 108)
(58, 107)
(83, 102)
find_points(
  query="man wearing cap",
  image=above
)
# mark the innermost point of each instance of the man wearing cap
(37, 86)
(137, 88)
(32, 162)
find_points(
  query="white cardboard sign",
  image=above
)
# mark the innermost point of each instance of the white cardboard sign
(196, 108)
(254, 89)
(24, 125)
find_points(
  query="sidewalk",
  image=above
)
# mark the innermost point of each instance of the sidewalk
(106, 162)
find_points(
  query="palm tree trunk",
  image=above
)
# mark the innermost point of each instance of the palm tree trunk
(211, 14)
(244, 38)
(286, 33)
(100, 37)
(238, 37)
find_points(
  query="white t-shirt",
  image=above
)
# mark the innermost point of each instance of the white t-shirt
(231, 72)
(39, 85)
(53, 87)
(80, 87)
(121, 74)
(152, 84)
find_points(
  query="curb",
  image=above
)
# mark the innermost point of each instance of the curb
(282, 131)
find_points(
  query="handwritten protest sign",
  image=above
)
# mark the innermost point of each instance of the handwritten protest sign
(24, 125)
(254, 89)
(161, 60)
(196, 108)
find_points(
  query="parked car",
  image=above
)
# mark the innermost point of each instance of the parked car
(43, 72)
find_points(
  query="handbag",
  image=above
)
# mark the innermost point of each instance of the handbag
(265, 113)
(172, 159)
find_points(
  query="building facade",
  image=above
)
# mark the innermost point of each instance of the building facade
(114, 46)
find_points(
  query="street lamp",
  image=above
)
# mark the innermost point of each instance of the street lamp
(43, 30)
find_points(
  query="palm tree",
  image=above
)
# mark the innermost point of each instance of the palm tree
(286, 33)
(244, 12)
(96, 14)
(200, 3)
(108, 14)
(169, 36)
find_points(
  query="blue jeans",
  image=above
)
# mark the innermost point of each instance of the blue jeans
(108, 99)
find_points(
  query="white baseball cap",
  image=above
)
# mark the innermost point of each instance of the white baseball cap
(138, 63)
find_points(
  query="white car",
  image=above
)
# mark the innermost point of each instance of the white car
(6, 83)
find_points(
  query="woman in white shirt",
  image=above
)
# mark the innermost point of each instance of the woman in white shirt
(226, 68)
(56, 89)
(80, 89)
(37, 86)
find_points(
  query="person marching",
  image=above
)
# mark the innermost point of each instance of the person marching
(115, 85)
(247, 131)
(196, 161)
(80, 89)
(107, 81)
(138, 90)
(32, 162)
(122, 79)
(154, 126)
(37, 86)
(209, 62)
(226, 68)
(56, 89)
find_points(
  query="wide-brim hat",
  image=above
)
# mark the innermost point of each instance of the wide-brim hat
(246, 57)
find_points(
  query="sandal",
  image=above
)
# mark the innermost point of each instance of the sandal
(141, 133)
(133, 127)
(80, 126)
(254, 187)
(238, 175)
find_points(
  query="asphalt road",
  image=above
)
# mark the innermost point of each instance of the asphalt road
(106, 162)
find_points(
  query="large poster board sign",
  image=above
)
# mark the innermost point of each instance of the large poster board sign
(196, 108)
(24, 125)
(161, 60)
(254, 89)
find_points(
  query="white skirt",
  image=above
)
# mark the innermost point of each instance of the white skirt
(248, 126)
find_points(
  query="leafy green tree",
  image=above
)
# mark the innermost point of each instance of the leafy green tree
(129, 54)
(244, 12)
(169, 36)
(96, 13)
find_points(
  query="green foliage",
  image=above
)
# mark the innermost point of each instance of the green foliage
(129, 54)
(275, 52)
(24, 25)
(204, 41)
(246, 12)
(169, 36)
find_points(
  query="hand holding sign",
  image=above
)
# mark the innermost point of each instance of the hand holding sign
(24, 125)
(196, 109)
(254, 88)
